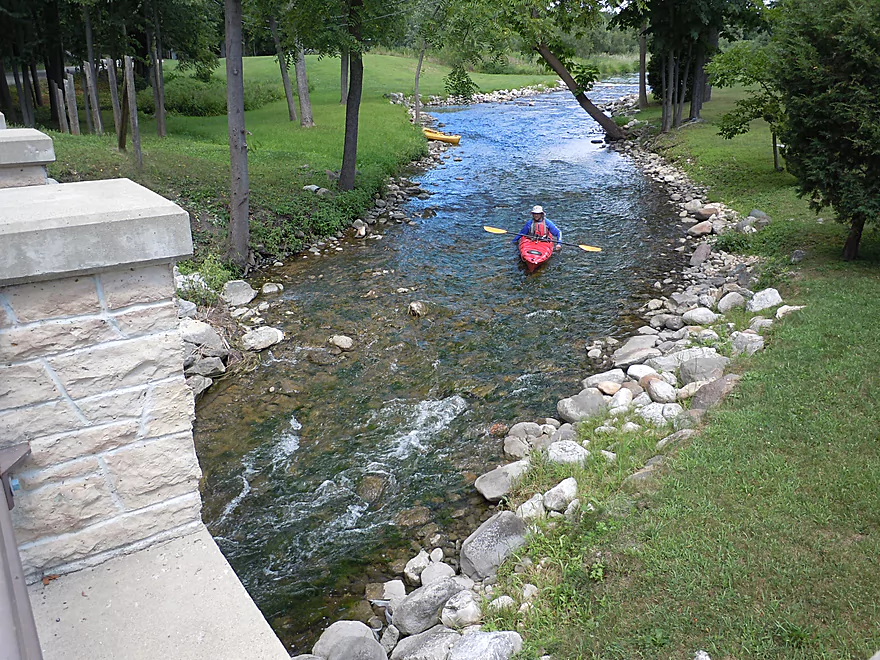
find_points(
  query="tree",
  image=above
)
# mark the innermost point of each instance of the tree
(543, 26)
(827, 68)
(749, 63)
(331, 27)
(239, 202)
(284, 63)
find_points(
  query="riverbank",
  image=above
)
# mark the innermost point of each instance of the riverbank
(760, 539)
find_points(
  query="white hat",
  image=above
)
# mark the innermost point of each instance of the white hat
(537, 209)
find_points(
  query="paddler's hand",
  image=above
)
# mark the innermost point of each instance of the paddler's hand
(558, 247)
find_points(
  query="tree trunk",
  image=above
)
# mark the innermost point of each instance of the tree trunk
(352, 109)
(89, 71)
(93, 83)
(417, 101)
(239, 207)
(713, 48)
(302, 89)
(131, 100)
(343, 76)
(38, 91)
(668, 85)
(161, 127)
(643, 67)
(699, 86)
(851, 247)
(58, 95)
(158, 101)
(25, 98)
(54, 52)
(775, 152)
(285, 76)
(683, 76)
(612, 130)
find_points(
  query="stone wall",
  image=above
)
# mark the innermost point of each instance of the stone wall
(91, 371)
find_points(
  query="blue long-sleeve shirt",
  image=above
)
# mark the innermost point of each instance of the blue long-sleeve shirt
(527, 228)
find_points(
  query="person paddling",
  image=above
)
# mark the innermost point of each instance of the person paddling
(540, 227)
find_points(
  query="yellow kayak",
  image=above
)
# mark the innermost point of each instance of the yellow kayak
(442, 137)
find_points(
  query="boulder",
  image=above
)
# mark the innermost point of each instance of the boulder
(203, 335)
(421, 609)
(702, 368)
(621, 401)
(636, 349)
(272, 287)
(748, 342)
(674, 439)
(581, 406)
(638, 371)
(261, 338)
(497, 483)
(706, 212)
(561, 495)
(699, 316)
(237, 293)
(661, 392)
(209, 366)
(711, 394)
(516, 447)
(417, 308)
(390, 638)
(337, 632)
(357, 648)
(758, 323)
(764, 300)
(487, 646)
(198, 384)
(414, 567)
(433, 644)
(700, 254)
(463, 609)
(435, 572)
(613, 376)
(342, 342)
(492, 542)
(730, 301)
(659, 414)
(566, 451)
(524, 430)
(501, 604)
(700, 229)
(564, 432)
(532, 509)
(673, 361)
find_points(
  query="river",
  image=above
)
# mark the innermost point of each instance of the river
(311, 457)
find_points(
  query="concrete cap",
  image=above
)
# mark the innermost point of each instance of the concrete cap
(47, 232)
(25, 146)
(2, 121)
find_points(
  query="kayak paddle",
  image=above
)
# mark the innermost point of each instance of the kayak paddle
(585, 248)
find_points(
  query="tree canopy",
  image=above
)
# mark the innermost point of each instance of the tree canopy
(827, 68)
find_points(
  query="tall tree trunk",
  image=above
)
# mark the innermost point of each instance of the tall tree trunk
(775, 152)
(352, 109)
(54, 51)
(612, 130)
(668, 86)
(90, 53)
(714, 37)
(417, 100)
(26, 97)
(239, 207)
(851, 247)
(302, 89)
(87, 106)
(159, 73)
(38, 91)
(285, 76)
(683, 77)
(19, 91)
(343, 76)
(699, 86)
(643, 67)
(110, 64)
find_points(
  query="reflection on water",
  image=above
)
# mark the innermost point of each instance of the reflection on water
(304, 483)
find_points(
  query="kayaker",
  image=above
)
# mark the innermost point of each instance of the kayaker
(540, 227)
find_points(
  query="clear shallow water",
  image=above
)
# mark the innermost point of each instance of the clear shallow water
(305, 485)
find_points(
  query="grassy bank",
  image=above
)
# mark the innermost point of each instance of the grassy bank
(764, 536)
(191, 165)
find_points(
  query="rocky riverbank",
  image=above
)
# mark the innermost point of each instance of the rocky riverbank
(660, 381)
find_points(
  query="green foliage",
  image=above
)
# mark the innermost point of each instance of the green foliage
(215, 274)
(827, 66)
(459, 83)
(195, 98)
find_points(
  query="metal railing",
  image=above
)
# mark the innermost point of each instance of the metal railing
(18, 630)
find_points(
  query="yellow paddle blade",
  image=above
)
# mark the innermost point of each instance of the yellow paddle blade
(589, 248)
(494, 230)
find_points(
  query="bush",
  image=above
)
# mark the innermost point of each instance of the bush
(188, 96)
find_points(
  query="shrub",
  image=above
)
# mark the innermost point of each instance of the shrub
(188, 96)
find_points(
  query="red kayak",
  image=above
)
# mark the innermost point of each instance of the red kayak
(535, 252)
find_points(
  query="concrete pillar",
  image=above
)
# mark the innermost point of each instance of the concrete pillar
(24, 154)
(91, 370)
(2, 121)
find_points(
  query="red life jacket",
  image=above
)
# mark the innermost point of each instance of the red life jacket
(539, 229)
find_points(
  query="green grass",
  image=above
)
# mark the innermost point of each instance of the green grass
(763, 540)
(191, 165)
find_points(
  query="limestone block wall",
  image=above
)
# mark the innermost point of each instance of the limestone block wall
(91, 372)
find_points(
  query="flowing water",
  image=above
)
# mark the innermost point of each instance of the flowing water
(323, 469)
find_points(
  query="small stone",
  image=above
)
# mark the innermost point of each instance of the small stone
(607, 387)
(272, 287)
(417, 308)
(560, 496)
(502, 603)
(567, 451)
(342, 342)
(532, 509)
(261, 338)
(785, 310)
(237, 293)
(764, 300)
